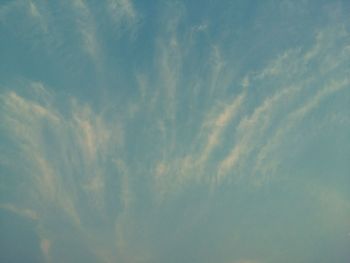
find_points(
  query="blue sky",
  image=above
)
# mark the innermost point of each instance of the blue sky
(174, 131)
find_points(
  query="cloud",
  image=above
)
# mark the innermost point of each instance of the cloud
(251, 129)
(218, 126)
(238, 139)
(24, 212)
(122, 10)
(75, 37)
(86, 25)
(261, 133)
(33, 10)
(197, 121)
(62, 153)
(298, 114)
(66, 162)
(45, 246)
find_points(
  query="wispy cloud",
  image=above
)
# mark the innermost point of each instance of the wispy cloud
(218, 127)
(64, 157)
(284, 82)
(86, 25)
(122, 10)
(293, 119)
(258, 134)
(24, 212)
(187, 120)
(251, 129)
(45, 246)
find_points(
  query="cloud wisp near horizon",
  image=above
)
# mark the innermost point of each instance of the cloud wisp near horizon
(174, 131)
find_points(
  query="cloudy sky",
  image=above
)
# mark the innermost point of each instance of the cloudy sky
(136, 131)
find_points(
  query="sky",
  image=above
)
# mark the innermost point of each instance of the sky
(136, 131)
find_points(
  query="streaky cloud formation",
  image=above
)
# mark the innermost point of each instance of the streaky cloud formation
(175, 131)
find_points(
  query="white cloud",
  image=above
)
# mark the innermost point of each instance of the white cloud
(122, 10)
(68, 154)
(251, 129)
(293, 119)
(33, 9)
(62, 154)
(85, 22)
(24, 212)
(201, 27)
(217, 64)
(218, 126)
(261, 133)
(45, 245)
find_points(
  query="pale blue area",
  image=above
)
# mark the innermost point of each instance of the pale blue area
(174, 131)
